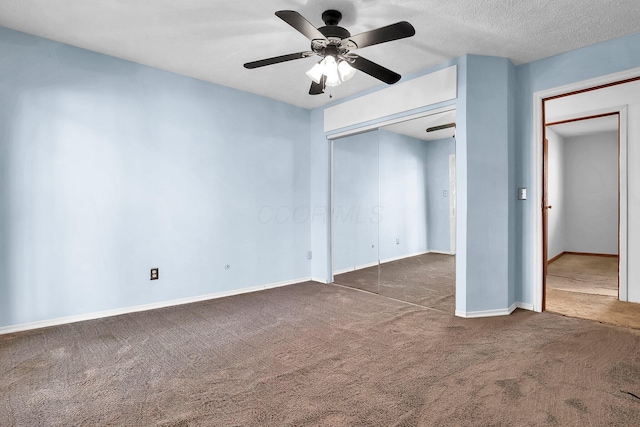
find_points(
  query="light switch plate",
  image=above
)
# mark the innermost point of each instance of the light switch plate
(522, 194)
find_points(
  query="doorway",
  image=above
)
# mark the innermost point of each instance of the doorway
(581, 214)
(610, 95)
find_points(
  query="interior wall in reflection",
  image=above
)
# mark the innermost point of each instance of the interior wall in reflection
(414, 195)
(439, 193)
(403, 196)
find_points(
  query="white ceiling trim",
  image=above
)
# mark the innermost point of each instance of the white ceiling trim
(430, 89)
(382, 124)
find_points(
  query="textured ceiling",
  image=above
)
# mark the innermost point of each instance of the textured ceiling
(211, 40)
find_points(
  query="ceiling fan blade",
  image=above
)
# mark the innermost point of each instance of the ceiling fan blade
(375, 70)
(318, 88)
(298, 22)
(277, 59)
(396, 31)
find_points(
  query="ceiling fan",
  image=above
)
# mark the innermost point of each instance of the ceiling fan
(335, 45)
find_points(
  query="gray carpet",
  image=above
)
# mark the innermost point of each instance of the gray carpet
(427, 280)
(312, 354)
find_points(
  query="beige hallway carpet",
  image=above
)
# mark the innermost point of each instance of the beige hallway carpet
(586, 287)
(320, 355)
(587, 274)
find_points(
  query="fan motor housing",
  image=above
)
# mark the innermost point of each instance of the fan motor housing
(334, 31)
(331, 29)
(331, 17)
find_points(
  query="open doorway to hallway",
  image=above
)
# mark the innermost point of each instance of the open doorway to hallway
(617, 98)
(582, 176)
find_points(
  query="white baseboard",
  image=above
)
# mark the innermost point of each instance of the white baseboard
(358, 267)
(524, 306)
(145, 307)
(317, 279)
(492, 313)
(486, 313)
(439, 252)
(397, 258)
(383, 261)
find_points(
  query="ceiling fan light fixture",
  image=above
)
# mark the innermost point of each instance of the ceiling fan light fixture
(328, 63)
(331, 71)
(333, 80)
(315, 73)
(346, 71)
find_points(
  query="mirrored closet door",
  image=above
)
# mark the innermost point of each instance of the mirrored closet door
(356, 211)
(394, 211)
(416, 260)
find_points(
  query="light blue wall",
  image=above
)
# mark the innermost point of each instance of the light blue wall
(461, 186)
(487, 168)
(575, 66)
(320, 196)
(108, 168)
(512, 189)
(356, 203)
(438, 218)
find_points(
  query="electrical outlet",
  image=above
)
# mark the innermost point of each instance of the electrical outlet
(309, 255)
(155, 273)
(397, 241)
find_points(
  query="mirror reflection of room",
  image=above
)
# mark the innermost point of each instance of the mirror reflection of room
(417, 199)
(394, 211)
